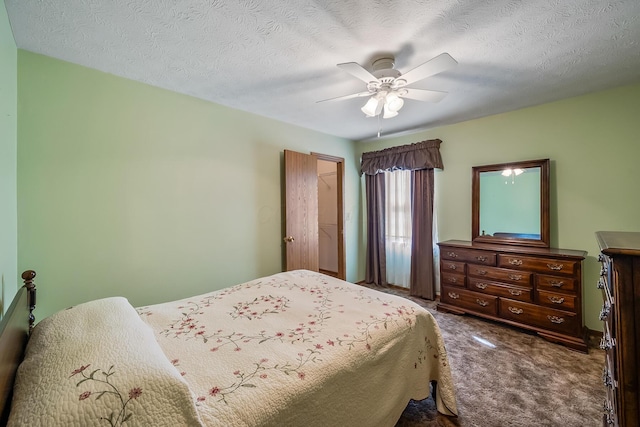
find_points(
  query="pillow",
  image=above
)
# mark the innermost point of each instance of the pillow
(99, 364)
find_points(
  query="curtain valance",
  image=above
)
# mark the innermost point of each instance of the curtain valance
(421, 155)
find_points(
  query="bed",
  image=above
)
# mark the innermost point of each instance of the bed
(293, 349)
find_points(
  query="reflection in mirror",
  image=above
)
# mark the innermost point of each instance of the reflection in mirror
(511, 203)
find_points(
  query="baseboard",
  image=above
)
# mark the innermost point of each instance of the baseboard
(329, 272)
(594, 338)
(389, 286)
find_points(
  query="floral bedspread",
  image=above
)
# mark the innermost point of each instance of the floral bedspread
(303, 349)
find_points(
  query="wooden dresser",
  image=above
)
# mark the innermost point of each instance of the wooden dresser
(620, 284)
(539, 289)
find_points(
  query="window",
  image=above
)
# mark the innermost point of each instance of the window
(398, 227)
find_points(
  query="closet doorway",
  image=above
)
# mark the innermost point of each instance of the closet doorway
(314, 213)
(328, 201)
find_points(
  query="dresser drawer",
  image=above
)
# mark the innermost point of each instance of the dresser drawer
(474, 301)
(455, 279)
(540, 265)
(468, 255)
(499, 289)
(556, 283)
(521, 278)
(452, 266)
(555, 300)
(542, 317)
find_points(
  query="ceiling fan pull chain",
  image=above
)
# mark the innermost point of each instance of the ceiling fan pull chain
(379, 126)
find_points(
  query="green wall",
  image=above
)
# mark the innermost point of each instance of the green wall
(593, 145)
(128, 189)
(8, 147)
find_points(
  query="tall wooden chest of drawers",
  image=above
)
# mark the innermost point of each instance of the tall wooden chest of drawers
(620, 285)
(539, 289)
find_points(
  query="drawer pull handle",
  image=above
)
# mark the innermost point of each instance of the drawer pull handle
(608, 412)
(515, 291)
(481, 258)
(606, 378)
(482, 302)
(481, 285)
(606, 308)
(605, 344)
(600, 257)
(515, 261)
(453, 295)
(556, 300)
(601, 283)
(515, 310)
(452, 266)
(515, 276)
(556, 319)
(452, 254)
(556, 283)
(555, 267)
(452, 279)
(482, 272)
(603, 270)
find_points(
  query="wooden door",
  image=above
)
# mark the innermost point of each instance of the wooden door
(301, 211)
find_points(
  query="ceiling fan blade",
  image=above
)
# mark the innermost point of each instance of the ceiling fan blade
(357, 71)
(440, 63)
(341, 98)
(424, 95)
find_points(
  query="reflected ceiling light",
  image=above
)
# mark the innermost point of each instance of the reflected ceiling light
(484, 342)
(509, 172)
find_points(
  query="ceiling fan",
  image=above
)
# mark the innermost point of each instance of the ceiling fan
(386, 86)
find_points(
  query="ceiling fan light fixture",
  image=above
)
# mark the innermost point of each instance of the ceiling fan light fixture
(371, 107)
(387, 86)
(388, 113)
(393, 102)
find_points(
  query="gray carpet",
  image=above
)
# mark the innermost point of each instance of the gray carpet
(524, 381)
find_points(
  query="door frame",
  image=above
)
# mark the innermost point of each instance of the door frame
(342, 262)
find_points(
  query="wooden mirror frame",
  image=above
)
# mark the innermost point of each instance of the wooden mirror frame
(544, 240)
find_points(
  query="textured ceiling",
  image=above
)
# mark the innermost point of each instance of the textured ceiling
(277, 58)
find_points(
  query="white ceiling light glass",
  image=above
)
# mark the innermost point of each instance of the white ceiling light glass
(393, 102)
(370, 107)
(388, 113)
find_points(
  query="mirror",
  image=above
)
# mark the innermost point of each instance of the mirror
(510, 203)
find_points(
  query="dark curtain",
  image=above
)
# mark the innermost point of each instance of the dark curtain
(376, 263)
(422, 280)
(420, 158)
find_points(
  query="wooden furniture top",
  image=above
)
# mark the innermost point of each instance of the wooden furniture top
(555, 252)
(619, 242)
